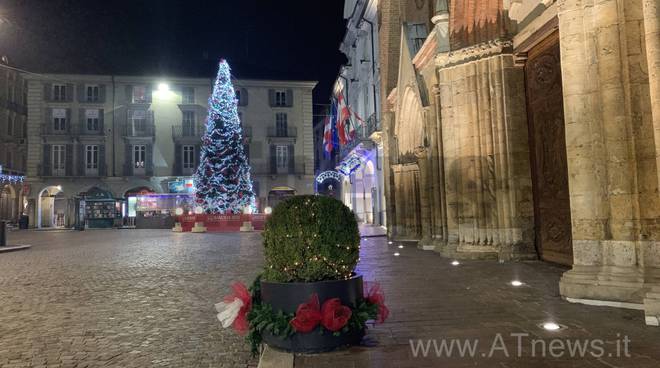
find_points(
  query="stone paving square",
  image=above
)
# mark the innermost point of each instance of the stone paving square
(144, 298)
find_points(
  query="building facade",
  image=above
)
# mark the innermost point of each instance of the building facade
(124, 135)
(13, 147)
(361, 159)
(528, 129)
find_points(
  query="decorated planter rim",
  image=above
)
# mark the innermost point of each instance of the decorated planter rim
(353, 277)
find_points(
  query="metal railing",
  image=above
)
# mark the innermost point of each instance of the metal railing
(290, 132)
(146, 129)
(181, 131)
(362, 133)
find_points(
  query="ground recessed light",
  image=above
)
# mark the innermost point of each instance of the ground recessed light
(551, 326)
(516, 283)
(397, 254)
(400, 246)
(455, 263)
(389, 242)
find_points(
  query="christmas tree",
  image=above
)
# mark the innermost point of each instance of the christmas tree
(222, 180)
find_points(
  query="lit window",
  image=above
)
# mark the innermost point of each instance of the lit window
(188, 157)
(139, 119)
(280, 98)
(139, 94)
(92, 94)
(282, 157)
(188, 95)
(92, 117)
(139, 156)
(58, 159)
(59, 120)
(92, 156)
(59, 92)
(281, 124)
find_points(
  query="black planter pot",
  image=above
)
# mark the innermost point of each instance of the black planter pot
(288, 296)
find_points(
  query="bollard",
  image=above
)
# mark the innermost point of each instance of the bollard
(3, 233)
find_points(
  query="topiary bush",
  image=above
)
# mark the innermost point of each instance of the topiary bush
(310, 238)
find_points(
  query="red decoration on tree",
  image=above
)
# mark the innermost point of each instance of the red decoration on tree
(375, 296)
(308, 315)
(334, 315)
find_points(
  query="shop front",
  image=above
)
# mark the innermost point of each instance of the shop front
(159, 211)
(101, 209)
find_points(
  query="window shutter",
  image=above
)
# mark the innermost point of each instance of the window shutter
(45, 163)
(69, 92)
(149, 170)
(289, 98)
(149, 90)
(81, 92)
(198, 151)
(68, 120)
(292, 163)
(102, 167)
(178, 160)
(48, 91)
(244, 97)
(68, 162)
(81, 159)
(129, 94)
(271, 97)
(273, 159)
(101, 118)
(48, 120)
(102, 93)
(128, 160)
(82, 121)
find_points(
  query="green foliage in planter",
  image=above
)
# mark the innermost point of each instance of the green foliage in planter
(310, 238)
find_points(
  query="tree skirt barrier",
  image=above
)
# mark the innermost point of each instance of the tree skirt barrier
(222, 223)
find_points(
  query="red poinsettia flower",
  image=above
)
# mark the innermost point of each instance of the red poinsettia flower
(308, 315)
(375, 296)
(234, 308)
(334, 315)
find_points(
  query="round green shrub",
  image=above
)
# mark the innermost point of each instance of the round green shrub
(310, 238)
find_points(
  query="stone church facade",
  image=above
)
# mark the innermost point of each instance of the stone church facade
(525, 129)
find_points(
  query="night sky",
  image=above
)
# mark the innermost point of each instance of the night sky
(278, 39)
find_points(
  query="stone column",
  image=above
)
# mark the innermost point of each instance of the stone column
(388, 178)
(599, 144)
(422, 154)
(652, 36)
(397, 218)
(651, 13)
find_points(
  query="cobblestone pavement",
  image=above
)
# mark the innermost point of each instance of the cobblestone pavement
(431, 299)
(144, 298)
(122, 298)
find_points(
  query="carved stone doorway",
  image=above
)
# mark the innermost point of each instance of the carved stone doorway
(408, 205)
(545, 109)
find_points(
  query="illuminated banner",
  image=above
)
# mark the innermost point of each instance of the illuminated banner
(181, 186)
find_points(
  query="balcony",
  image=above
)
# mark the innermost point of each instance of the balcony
(144, 129)
(363, 135)
(49, 129)
(15, 107)
(273, 132)
(372, 125)
(184, 131)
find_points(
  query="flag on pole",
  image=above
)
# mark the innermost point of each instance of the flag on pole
(327, 136)
(343, 119)
(333, 123)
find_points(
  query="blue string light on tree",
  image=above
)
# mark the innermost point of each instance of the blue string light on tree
(222, 180)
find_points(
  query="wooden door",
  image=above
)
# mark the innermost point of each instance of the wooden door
(545, 109)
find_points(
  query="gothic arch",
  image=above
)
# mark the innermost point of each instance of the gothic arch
(409, 128)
